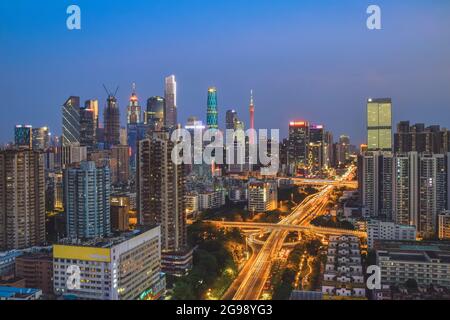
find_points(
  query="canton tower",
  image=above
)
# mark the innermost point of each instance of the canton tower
(252, 116)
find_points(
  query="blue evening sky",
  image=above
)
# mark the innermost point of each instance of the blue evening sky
(304, 59)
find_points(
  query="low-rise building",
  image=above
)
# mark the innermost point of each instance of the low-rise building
(7, 261)
(444, 225)
(192, 205)
(385, 230)
(12, 293)
(37, 270)
(262, 196)
(127, 267)
(426, 262)
(211, 199)
(343, 275)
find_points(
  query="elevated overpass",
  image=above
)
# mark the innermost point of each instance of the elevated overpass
(287, 227)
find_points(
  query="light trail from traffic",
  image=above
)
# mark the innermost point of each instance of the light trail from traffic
(253, 280)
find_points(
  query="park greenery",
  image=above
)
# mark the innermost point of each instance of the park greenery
(214, 266)
(285, 283)
(332, 222)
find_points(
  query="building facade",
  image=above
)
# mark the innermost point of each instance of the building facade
(22, 199)
(87, 190)
(127, 267)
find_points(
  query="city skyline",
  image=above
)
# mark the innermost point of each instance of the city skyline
(225, 150)
(335, 53)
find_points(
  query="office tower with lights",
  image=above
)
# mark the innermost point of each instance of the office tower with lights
(71, 121)
(111, 118)
(379, 124)
(154, 115)
(23, 136)
(298, 143)
(343, 149)
(328, 149)
(22, 200)
(93, 105)
(87, 128)
(160, 199)
(134, 109)
(211, 112)
(170, 103)
(231, 118)
(87, 191)
(316, 148)
(41, 138)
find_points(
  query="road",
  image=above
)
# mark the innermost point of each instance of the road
(286, 227)
(255, 276)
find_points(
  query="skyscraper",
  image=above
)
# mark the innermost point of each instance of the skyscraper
(87, 190)
(298, 142)
(93, 105)
(212, 120)
(71, 121)
(119, 164)
(23, 136)
(377, 184)
(409, 189)
(160, 186)
(160, 199)
(134, 109)
(111, 119)
(170, 102)
(379, 124)
(41, 138)
(154, 116)
(22, 200)
(87, 128)
(231, 118)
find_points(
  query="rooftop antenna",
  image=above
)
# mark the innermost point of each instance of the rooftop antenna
(110, 93)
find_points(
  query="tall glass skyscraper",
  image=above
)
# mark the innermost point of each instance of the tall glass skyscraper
(154, 116)
(212, 114)
(87, 190)
(170, 105)
(71, 121)
(379, 124)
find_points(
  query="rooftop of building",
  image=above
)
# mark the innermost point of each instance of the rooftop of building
(12, 292)
(108, 242)
(414, 251)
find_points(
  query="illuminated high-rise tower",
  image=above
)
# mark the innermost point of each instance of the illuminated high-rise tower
(170, 102)
(111, 120)
(71, 121)
(211, 113)
(252, 116)
(134, 109)
(154, 116)
(379, 124)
